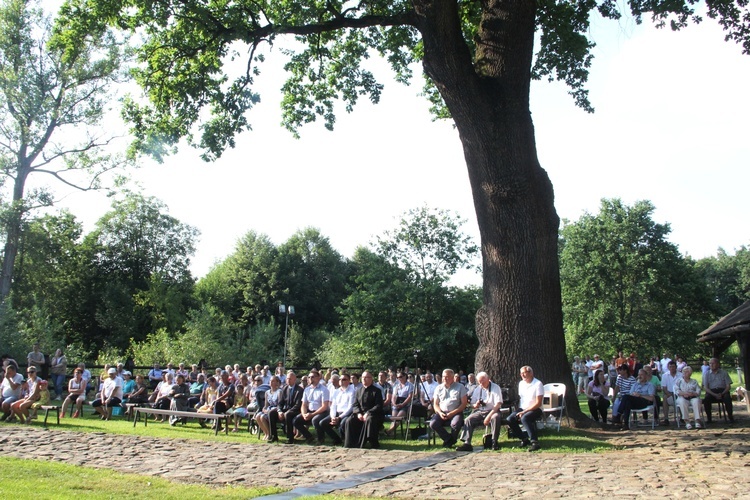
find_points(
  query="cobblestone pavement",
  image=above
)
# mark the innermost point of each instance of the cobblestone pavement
(664, 462)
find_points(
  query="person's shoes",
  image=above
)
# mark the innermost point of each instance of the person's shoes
(320, 442)
(273, 439)
(524, 443)
(665, 422)
(310, 440)
(58, 398)
(76, 414)
(374, 446)
(495, 446)
(465, 447)
(4, 417)
(337, 442)
(173, 423)
(688, 426)
(534, 446)
(390, 432)
(731, 419)
(11, 419)
(709, 420)
(202, 423)
(289, 441)
(698, 424)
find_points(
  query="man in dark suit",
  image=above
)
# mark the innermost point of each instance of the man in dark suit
(290, 406)
(367, 416)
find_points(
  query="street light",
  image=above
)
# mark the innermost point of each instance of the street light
(286, 311)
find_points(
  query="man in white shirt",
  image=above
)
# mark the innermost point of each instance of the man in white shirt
(667, 386)
(341, 408)
(664, 363)
(485, 400)
(429, 389)
(597, 364)
(316, 401)
(111, 395)
(531, 393)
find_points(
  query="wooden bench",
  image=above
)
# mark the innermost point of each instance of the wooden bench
(49, 408)
(181, 414)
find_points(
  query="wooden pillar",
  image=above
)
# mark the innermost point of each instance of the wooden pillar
(743, 339)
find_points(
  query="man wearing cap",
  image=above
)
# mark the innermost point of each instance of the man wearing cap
(316, 401)
(111, 395)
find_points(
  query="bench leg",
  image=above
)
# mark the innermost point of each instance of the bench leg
(46, 414)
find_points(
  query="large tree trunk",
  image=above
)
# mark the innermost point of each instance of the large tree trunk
(12, 233)
(520, 322)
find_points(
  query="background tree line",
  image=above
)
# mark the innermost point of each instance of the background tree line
(125, 289)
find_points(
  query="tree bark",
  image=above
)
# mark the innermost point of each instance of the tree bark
(13, 233)
(520, 322)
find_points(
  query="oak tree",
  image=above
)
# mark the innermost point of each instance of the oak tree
(478, 57)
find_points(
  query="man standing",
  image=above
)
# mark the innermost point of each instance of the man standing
(486, 401)
(449, 402)
(367, 416)
(597, 364)
(531, 394)
(716, 384)
(316, 401)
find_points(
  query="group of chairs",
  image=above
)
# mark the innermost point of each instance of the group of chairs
(677, 416)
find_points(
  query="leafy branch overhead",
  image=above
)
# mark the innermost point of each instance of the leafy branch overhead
(199, 58)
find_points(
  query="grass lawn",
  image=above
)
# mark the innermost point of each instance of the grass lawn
(567, 441)
(38, 479)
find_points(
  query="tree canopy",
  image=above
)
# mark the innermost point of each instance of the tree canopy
(55, 85)
(626, 287)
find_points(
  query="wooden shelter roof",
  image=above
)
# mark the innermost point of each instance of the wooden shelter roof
(737, 321)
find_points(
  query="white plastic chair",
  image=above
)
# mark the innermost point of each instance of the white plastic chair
(548, 409)
(643, 411)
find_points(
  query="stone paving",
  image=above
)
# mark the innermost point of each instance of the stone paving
(663, 463)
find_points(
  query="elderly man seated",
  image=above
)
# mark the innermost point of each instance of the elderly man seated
(688, 393)
(642, 394)
(486, 400)
(717, 385)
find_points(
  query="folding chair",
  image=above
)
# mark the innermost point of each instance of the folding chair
(554, 402)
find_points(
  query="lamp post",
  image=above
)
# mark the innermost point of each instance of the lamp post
(286, 311)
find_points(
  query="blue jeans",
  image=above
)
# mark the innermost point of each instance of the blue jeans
(528, 420)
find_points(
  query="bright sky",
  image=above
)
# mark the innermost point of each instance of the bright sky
(670, 126)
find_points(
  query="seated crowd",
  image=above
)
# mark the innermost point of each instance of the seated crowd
(627, 384)
(350, 409)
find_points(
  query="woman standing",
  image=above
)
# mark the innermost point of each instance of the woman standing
(58, 368)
